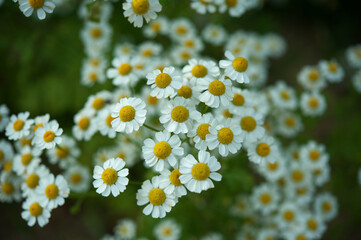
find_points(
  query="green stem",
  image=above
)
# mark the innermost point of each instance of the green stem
(151, 128)
(205, 109)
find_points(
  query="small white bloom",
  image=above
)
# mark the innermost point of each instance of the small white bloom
(135, 10)
(164, 83)
(167, 230)
(201, 129)
(40, 6)
(215, 92)
(78, 178)
(200, 69)
(19, 126)
(52, 191)
(313, 104)
(265, 149)
(48, 136)
(235, 67)
(35, 211)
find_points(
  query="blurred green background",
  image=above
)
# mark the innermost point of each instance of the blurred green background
(40, 73)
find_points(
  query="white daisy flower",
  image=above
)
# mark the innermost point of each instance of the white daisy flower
(200, 69)
(96, 36)
(226, 137)
(167, 230)
(273, 171)
(127, 151)
(251, 124)
(181, 28)
(52, 191)
(353, 55)
(313, 104)
(178, 115)
(188, 91)
(265, 198)
(155, 27)
(9, 187)
(298, 175)
(313, 155)
(32, 179)
(164, 83)
(288, 214)
(149, 49)
(241, 99)
(326, 206)
(125, 49)
(265, 149)
(235, 67)
(39, 121)
(129, 114)
(4, 116)
(125, 229)
(315, 226)
(19, 126)
(78, 178)
(35, 211)
(235, 8)
(170, 182)
(192, 42)
(201, 129)
(157, 200)
(135, 10)
(310, 78)
(28, 158)
(111, 178)
(85, 125)
(102, 155)
(332, 70)
(203, 6)
(123, 72)
(91, 75)
(321, 174)
(257, 76)
(289, 124)
(214, 34)
(162, 151)
(40, 6)
(99, 100)
(283, 96)
(181, 55)
(120, 93)
(65, 154)
(104, 120)
(48, 136)
(215, 92)
(6, 151)
(197, 174)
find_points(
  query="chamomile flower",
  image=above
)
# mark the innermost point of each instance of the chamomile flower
(6, 151)
(178, 115)
(353, 55)
(265, 149)
(235, 67)
(235, 8)
(123, 72)
(40, 6)
(39, 121)
(28, 158)
(4, 116)
(203, 6)
(201, 129)
(273, 171)
(214, 34)
(321, 174)
(65, 154)
(315, 226)
(313, 155)
(192, 43)
(104, 120)
(180, 55)
(135, 10)
(91, 75)
(149, 49)
(96, 36)
(298, 175)
(200, 69)
(167, 230)
(52, 191)
(102, 155)
(289, 124)
(162, 151)
(124, 49)
(215, 92)
(164, 83)
(32, 180)
(188, 91)
(170, 182)
(181, 28)
(301, 194)
(48, 136)
(78, 178)
(283, 96)
(111, 178)
(9, 188)
(288, 215)
(85, 125)
(19, 126)
(197, 175)
(155, 27)
(313, 104)
(227, 137)
(257, 76)
(35, 211)
(125, 229)
(311, 78)
(128, 115)
(127, 151)
(157, 200)
(265, 198)
(251, 124)
(326, 206)
(332, 70)
(99, 100)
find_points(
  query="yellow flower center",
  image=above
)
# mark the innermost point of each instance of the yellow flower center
(185, 55)
(217, 88)
(94, 62)
(124, 69)
(155, 27)
(326, 206)
(314, 155)
(83, 123)
(162, 150)
(166, 231)
(240, 64)
(76, 178)
(109, 120)
(98, 103)
(312, 224)
(35, 209)
(7, 188)
(36, 3)
(185, 92)
(51, 191)
(272, 166)
(296, 155)
(18, 125)
(227, 114)
(121, 155)
(62, 152)
(200, 171)
(140, 7)
(26, 158)
(225, 136)
(297, 175)
(318, 172)
(147, 53)
(93, 77)
(248, 123)
(96, 33)
(1, 155)
(333, 67)
(174, 177)
(231, 3)
(49, 136)
(265, 198)
(313, 103)
(313, 75)
(285, 95)
(290, 122)
(301, 191)
(156, 196)
(181, 30)
(203, 130)
(180, 114)
(199, 71)
(301, 237)
(37, 126)
(288, 215)
(163, 80)
(109, 176)
(263, 149)
(238, 99)
(152, 100)
(189, 43)
(32, 181)
(127, 113)
(8, 166)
